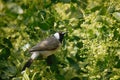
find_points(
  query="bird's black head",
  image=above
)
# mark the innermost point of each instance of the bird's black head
(59, 36)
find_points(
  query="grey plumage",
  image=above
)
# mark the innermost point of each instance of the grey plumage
(45, 48)
(50, 43)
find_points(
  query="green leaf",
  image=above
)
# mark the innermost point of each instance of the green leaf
(116, 15)
(79, 44)
(5, 53)
(60, 77)
(44, 26)
(26, 75)
(73, 63)
(7, 42)
(75, 78)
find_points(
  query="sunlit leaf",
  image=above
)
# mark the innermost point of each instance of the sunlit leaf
(116, 15)
(89, 51)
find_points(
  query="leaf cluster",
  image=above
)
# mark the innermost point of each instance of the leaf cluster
(90, 50)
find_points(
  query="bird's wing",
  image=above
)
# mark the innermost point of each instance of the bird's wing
(46, 45)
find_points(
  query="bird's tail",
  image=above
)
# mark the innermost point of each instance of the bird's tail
(28, 63)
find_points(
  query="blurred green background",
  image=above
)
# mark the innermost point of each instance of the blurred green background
(90, 50)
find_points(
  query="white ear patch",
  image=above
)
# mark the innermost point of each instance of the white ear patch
(57, 36)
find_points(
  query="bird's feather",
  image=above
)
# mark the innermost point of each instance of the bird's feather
(49, 44)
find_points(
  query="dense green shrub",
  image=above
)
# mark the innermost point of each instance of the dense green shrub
(91, 48)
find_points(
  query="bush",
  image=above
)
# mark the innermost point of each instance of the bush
(90, 50)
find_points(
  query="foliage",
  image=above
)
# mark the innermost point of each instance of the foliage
(90, 50)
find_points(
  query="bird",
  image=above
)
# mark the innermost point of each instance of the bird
(45, 48)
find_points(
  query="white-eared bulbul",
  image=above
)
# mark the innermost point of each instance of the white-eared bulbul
(45, 48)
